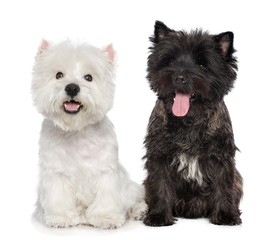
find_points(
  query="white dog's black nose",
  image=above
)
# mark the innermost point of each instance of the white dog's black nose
(72, 89)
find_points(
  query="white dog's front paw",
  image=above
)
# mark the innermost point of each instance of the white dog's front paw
(61, 222)
(107, 222)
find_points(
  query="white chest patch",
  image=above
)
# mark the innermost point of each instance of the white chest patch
(189, 168)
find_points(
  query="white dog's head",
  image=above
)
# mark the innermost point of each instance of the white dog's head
(73, 84)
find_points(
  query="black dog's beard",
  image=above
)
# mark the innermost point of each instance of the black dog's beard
(183, 99)
(182, 93)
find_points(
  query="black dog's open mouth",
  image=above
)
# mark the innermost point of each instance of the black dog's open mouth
(72, 106)
(181, 103)
(192, 96)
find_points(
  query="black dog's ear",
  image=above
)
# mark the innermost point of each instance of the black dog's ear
(225, 41)
(161, 31)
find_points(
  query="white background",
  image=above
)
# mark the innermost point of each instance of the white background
(253, 104)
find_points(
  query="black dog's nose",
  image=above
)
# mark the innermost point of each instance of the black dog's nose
(179, 79)
(72, 89)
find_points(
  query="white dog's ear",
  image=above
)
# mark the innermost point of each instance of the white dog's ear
(110, 52)
(43, 46)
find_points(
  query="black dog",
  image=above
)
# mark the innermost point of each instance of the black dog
(190, 144)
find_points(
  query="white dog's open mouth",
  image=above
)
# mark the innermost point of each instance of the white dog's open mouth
(72, 106)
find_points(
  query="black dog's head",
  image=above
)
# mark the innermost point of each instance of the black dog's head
(189, 67)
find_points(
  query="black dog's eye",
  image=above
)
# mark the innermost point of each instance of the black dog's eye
(203, 68)
(201, 63)
(88, 77)
(166, 62)
(59, 75)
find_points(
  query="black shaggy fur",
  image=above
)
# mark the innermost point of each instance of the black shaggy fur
(190, 159)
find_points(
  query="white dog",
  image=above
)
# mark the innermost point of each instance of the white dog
(81, 179)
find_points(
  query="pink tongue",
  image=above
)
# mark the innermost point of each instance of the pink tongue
(181, 104)
(71, 106)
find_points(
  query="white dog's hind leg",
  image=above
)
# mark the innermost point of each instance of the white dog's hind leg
(138, 208)
(107, 209)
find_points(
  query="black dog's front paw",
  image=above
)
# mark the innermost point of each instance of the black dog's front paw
(223, 218)
(158, 220)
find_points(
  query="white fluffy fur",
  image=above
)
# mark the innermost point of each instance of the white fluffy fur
(189, 168)
(81, 179)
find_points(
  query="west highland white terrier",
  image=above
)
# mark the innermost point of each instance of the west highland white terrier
(81, 179)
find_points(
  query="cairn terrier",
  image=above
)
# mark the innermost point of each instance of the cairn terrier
(190, 145)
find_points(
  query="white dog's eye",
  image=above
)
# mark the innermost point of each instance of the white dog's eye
(88, 77)
(59, 75)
